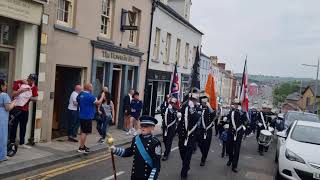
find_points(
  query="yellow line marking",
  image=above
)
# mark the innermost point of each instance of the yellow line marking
(67, 168)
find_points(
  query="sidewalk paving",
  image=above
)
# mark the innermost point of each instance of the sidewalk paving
(46, 154)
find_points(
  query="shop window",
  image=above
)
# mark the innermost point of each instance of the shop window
(178, 50)
(65, 12)
(167, 49)
(99, 82)
(156, 45)
(106, 18)
(4, 66)
(7, 34)
(133, 34)
(186, 56)
(160, 94)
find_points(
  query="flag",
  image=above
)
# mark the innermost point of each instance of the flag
(195, 75)
(175, 86)
(210, 90)
(244, 98)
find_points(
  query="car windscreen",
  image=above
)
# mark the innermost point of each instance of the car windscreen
(300, 116)
(306, 134)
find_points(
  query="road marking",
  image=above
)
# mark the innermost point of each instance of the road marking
(175, 148)
(68, 168)
(112, 177)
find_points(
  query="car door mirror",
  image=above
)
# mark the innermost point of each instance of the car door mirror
(282, 134)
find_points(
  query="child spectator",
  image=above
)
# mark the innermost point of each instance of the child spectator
(224, 139)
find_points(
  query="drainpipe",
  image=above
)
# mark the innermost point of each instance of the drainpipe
(153, 8)
(34, 107)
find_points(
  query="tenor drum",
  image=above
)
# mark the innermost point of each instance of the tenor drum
(265, 137)
(271, 129)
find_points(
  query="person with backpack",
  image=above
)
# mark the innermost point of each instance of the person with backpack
(106, 115)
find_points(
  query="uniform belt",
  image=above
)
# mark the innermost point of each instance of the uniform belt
(171, 124)
(189, 132)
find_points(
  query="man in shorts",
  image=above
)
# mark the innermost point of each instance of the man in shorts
(136, 107)
(87, 106)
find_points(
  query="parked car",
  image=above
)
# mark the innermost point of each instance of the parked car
(297, 154)
(291, 116)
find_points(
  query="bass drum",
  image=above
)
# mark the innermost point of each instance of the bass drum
(265, 137)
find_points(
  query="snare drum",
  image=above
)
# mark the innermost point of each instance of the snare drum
(271, 129)
(265, 137)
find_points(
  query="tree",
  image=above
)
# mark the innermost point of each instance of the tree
(283, 90)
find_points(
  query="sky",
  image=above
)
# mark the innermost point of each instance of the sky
(276, 35)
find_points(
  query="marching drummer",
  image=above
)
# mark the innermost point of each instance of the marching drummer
(262, 124)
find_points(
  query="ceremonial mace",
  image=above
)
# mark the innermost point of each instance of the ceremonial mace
(110, 141)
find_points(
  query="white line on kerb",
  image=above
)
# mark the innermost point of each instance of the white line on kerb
(112, 177)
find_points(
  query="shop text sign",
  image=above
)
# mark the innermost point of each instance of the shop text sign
(116, 57)
(21, 10)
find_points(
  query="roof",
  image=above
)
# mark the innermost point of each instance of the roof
(178, 16)
(294, 96)
(309, 123)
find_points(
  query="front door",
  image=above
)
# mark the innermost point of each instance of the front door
(66, 79)
(115, 92)
(6, 66)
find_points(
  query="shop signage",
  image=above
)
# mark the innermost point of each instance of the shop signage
(159, 75)
(115, 57)
(185, 78)
(21, 10)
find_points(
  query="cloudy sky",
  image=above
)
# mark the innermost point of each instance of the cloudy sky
(277, 35)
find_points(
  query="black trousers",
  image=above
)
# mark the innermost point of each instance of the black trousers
(204, 144)
(167, 140)
(22, 121)
(216, 127)
(224, 148)
(234, 149)
(186, 152)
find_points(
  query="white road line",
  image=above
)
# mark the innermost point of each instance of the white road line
(173, 149)
(112, 177)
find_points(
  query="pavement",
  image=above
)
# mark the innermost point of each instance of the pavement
(252, 166)
(59, 150)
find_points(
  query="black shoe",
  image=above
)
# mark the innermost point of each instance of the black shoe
(86, 150)
(222, 155)
(202, 163)
(235, 170)
(165, 158)
(261, 153)
(229, 163)
(71, 139)
(81, 150)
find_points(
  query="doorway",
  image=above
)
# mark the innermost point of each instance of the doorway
(115, 92)
(6, 66)
(66, 79)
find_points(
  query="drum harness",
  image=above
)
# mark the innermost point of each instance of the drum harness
(263, 121)
(234, 126)
(166, 121)
(186, 112)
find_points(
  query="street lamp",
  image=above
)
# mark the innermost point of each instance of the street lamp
(316, 84)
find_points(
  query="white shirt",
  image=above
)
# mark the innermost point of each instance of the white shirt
(73, 98)
(130, 97)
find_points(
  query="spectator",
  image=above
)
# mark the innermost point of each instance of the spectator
(127, 109)
(74, 123)
(136, 107)
(224, 139)
(21, 112)
(5, 106)
(87, 104)
(106, 111)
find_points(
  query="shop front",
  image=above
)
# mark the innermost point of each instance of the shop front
(19, 31)
(118, 69)
(157, 88)
(185, 85)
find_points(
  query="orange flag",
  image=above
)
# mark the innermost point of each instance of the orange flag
(211, 91)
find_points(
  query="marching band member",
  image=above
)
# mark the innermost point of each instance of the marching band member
(208, 116)
(146, 151)
(187, 131)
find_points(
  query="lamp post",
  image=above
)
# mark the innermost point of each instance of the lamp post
(316, 84)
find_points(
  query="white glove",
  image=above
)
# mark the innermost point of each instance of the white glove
(191, 104)
(179, 115)
(112, 148)
(259, 124)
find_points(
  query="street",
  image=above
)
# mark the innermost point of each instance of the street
(99, 167)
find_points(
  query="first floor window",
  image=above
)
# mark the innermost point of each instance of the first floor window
(106, 13)
(160, 94)
(64, 12)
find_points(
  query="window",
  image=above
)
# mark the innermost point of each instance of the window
(106, 15)
(64, 12)
(194, 52)
(133, 35)
(178, 50)
(160, 93)
(7, 34)
(186, 55)
(156, 45)
(167, 49)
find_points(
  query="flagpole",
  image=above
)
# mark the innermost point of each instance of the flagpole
(172, 76)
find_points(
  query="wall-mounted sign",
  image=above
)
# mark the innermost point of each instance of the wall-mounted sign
(21, 10)
(115, 57)
(132, 17)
